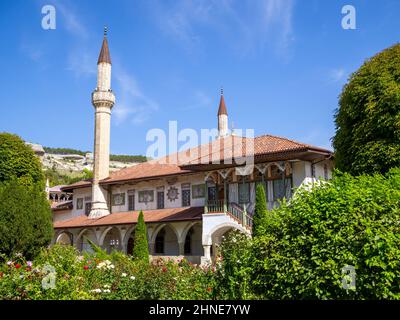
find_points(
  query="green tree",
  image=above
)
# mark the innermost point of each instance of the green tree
(141, 247)
(367, 137)
(350, 221)
(18, 161)
(260, 211)
(25, 219)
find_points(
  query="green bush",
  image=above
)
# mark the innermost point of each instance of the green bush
(349, 221)
(99, 276)
(25, 219)
(141, 247)
(367, 135)
(18, 161)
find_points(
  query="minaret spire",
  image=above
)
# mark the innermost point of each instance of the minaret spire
(222, 116)
(103, 100)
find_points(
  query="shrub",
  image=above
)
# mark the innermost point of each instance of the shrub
(141, 247)
(99, 276)
(25, 219)
(350, 221)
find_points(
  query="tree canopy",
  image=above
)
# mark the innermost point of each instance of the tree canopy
(367, 121)
(18, 161)
(25, 219)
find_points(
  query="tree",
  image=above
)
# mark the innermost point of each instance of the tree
(25, 219)
(141, 247)
(260, 211)
(18, 161)
(348, 222)
(367, 137)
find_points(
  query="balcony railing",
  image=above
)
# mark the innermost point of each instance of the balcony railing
(232, 209)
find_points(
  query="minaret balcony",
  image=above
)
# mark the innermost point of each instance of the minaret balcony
(103, 97)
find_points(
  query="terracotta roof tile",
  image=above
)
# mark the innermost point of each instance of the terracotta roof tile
(161, 215)
(222, 150)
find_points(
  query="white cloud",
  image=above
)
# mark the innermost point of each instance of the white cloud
(337, 75)
(246, 25)
(132, 104)
(72, 22)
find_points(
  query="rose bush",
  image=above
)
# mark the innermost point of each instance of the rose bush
(101, 276)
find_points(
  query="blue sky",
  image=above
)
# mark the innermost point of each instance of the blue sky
(282, 65)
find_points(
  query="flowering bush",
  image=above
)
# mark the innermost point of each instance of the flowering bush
(61, 272)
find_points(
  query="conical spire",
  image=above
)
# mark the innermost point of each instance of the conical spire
(104, 55)
(222, 107)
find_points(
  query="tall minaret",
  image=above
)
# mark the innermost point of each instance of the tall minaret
(103, 100)
(222, 117)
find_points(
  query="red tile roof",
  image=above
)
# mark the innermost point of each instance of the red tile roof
(223, 150)
(131, 217)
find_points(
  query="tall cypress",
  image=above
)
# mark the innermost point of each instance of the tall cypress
(141, 247)
(260, 211)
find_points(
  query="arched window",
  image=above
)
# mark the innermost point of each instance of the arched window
(159, 245)
(188, 242)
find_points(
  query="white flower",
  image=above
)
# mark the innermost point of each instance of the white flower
(96, 290)
(132, 278)
(107, 286)
(9, 263)
(106, 290)
(123, 274)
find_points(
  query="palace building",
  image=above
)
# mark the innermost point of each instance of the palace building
(189, 199)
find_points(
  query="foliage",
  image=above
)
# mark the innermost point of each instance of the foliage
(350, 221)
(18, 161)
(233, 272)
(128, 158)
(25, 219)
(260, 211)
(90, 276)
(56, 178)
(367, 135)
(141, 247)
(113, 157)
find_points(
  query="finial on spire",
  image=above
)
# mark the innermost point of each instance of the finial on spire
(222, 90)
(104, 55)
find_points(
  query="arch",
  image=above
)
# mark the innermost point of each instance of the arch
(64, 238)
(220, 229)
(159, 228)
(128, 240)
(192, 244)
(187, 228)
(110, 239)
(81, 240)
(170, 245)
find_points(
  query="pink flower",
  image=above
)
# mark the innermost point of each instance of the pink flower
(29, 263)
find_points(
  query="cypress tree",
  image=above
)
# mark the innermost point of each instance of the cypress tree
(260, 211)
(141, 248)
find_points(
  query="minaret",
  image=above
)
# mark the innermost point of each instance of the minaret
(222, 117)
(103, 100)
